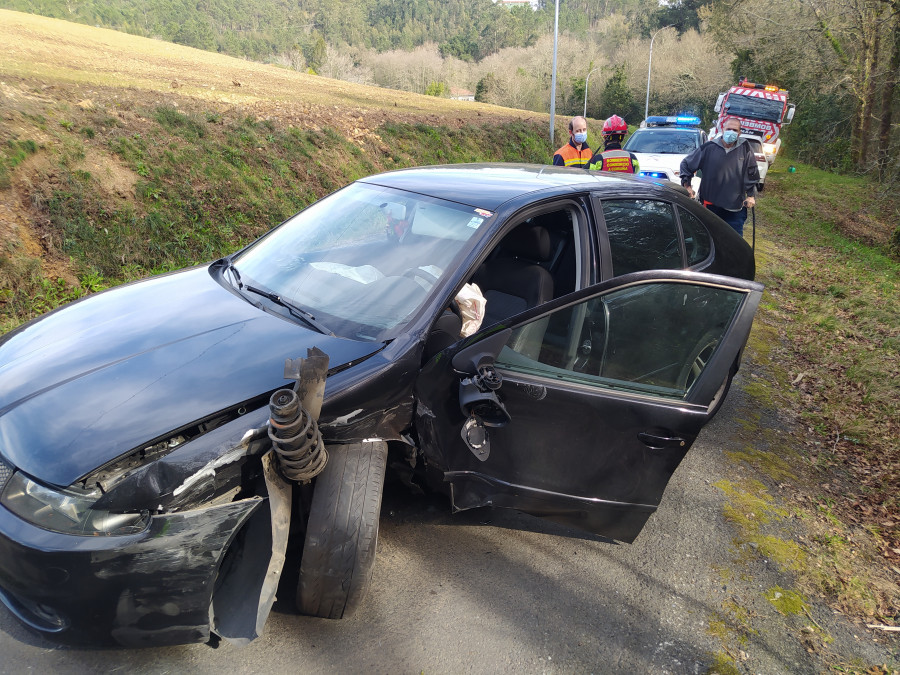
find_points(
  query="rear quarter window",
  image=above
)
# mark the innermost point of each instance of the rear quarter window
(697, 242)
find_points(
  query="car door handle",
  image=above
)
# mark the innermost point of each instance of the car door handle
(661, 442)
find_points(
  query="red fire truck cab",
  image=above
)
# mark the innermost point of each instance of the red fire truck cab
(762, 109)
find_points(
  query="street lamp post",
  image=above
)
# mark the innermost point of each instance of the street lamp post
(586, 80)
(553, 76)
(650, 63)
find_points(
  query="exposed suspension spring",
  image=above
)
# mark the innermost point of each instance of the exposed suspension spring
(295, 438)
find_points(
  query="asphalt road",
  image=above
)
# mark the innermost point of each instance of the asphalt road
(492, 591)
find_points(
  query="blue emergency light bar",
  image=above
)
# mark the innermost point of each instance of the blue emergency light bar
(653, 174)
(672, 120)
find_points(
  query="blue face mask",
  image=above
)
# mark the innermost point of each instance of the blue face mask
(580, 137)
(729, 136)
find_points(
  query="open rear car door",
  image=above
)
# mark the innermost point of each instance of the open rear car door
(580, 410)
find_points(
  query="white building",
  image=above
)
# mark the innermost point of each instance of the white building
(458, 94)
(517, 3)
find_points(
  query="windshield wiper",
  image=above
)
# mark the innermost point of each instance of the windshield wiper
(237, 275)
(295, 311)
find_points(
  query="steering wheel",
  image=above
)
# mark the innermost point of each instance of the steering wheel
(690, 247)
(672, 248)
(425, 279)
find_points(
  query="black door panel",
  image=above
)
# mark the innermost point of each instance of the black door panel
(601, 417)
(553, 443)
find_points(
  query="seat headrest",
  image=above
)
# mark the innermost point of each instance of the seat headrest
(529, 241)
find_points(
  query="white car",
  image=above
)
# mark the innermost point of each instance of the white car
(762, 160)
(662, 142)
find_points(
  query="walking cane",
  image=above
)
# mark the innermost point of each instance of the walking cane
(753, 212)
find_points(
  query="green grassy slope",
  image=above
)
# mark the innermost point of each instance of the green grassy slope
(122, 157)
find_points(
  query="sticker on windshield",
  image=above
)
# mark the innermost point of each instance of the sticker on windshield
(475, 223)
(482, 212)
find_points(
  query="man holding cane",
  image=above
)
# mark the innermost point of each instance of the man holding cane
(730, 174)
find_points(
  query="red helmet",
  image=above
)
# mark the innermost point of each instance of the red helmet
(614, 125)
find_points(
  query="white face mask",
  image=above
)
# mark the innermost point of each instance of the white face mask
(580, 137)
(729, 136)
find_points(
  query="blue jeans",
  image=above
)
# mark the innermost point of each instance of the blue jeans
(734, 218)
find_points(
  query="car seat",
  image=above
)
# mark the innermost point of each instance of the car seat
(513, 281)
(445, 330)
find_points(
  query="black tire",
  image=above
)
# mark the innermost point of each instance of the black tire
(342, 532)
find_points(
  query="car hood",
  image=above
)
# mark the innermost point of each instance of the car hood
(105, 375)
(657, 161)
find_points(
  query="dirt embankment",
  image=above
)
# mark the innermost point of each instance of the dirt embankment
(56, 52)
(56, 73)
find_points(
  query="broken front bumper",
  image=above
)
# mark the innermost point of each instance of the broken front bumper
(152, 588)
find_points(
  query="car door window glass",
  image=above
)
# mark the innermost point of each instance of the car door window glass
(654, 338)
(697, 243)
(538, 260)
(642, 235)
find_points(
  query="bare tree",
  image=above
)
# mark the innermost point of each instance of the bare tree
(887, 93)
(407, 70)
(685, 68)
(340, 64)
(835, 44)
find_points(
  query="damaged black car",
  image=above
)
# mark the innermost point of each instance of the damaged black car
(542, 339)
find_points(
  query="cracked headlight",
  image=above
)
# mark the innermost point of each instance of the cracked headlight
(66, 512)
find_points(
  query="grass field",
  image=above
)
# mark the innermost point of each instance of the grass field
(122, 156)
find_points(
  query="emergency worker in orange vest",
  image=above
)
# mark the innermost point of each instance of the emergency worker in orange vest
(576, 152)
(613, 157)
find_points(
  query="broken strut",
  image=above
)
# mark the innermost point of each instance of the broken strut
(292, 424)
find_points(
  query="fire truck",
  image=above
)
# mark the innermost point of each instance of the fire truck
(762, 109)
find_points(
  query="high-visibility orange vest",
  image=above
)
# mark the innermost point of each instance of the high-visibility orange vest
(617, 160)
(572, 156)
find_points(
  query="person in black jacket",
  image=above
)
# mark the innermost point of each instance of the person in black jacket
(730, 174)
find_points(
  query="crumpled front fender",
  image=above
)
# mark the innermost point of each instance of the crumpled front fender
(167, 579)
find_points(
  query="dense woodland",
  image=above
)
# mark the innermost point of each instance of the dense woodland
(839, 58)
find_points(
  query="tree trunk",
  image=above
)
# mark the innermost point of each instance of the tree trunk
(869, 88)
(887, 99)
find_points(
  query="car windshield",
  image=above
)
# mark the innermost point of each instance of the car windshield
(663, 141)
(754, 108)
(364, 259)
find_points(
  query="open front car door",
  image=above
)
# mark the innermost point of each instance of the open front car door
(580, 410)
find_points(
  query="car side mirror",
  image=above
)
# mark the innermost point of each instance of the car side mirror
(469, 360)
(484, 411)
(477, 398)
(790, 113)
(718, 107)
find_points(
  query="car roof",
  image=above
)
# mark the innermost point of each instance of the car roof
(490, 185)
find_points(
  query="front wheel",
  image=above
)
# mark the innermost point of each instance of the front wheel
(721, 393)
(342, 532)
(697, 363)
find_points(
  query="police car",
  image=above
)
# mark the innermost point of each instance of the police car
(662, 142)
